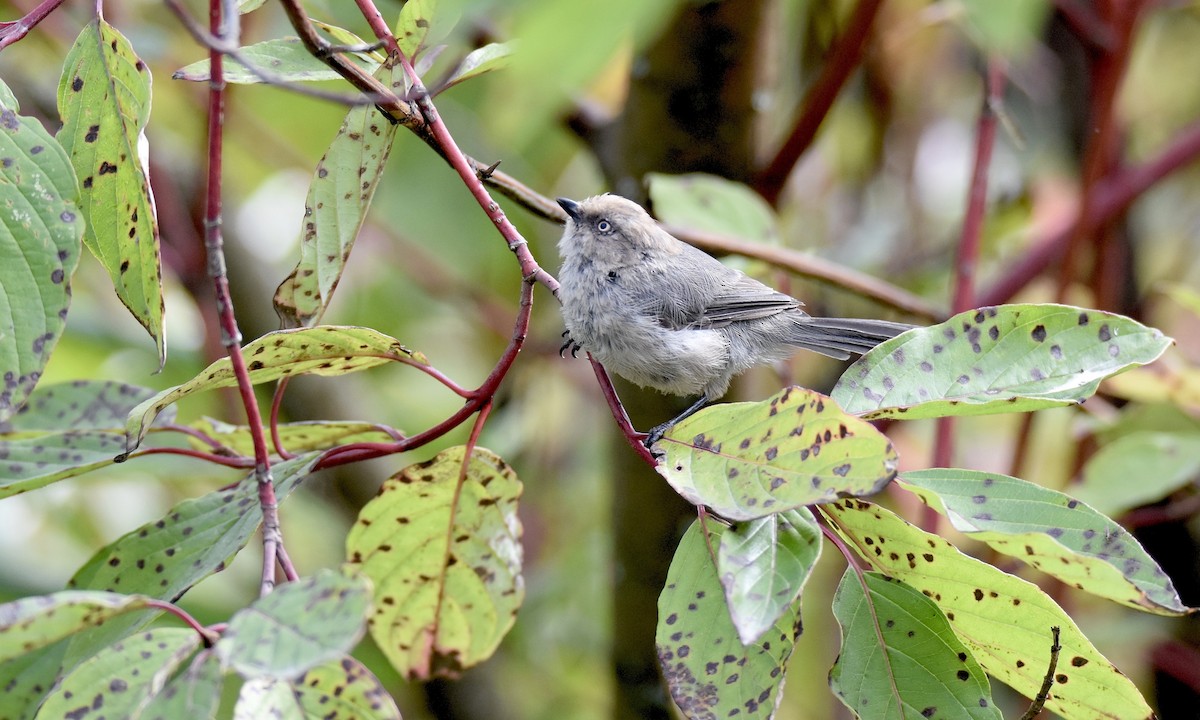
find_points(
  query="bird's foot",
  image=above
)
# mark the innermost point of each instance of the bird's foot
(570, 344)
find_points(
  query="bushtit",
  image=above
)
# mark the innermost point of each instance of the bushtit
(662, 314)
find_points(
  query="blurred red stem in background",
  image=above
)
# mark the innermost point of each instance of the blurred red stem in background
(843, 57)
(967, 262)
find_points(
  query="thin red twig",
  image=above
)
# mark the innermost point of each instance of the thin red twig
(14, 30)
(226, 460)
(209, 636)
(843, 58)
(231, 336)
(632, 436)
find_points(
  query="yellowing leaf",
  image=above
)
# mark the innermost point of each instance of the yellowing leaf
(441, 543)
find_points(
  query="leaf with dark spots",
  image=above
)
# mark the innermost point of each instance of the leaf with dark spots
(280, 354)
(1032, 357)
(103, 132)
(809, 452)
(899, 654)
(40, 240)
(1009, 624)
(453, 600)
(1040, 525)
(297, 627)
(709, 672)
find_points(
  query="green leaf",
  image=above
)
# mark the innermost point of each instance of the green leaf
(763, 565)
(26, 679)
(1008, 358)
(39, 460)
(246, 6)
(714, 205)
(1052, 532)
(344, 689)
(1137, 469)
(749, 460)
(709, 672)
(37, 448)
(296, 437)
(35, 622)
(78, 405)
(1004, 620)
(267, 698)
(285, 58)
(7, 99)
(300, 625)
(327, 350)
(336, 207)
(194, 694)
(104, 101)
(441, 543)
(1009, 27)
(492, 56)
(122, 678)
(412, 29)
(40, 235)
(900, 658)
(165, 558)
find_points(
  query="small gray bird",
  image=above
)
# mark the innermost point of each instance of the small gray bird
(662, 314)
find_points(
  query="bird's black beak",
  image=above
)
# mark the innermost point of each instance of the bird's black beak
(570, 206)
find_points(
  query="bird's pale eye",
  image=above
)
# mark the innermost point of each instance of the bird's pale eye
(604, 226)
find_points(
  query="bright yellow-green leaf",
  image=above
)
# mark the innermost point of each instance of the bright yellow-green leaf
(296, 437)
(441, 543)
(749, 460)
(326, 350)
(104, 100)
(1005, 620)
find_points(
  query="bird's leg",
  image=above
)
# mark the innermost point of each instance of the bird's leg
(658, 431)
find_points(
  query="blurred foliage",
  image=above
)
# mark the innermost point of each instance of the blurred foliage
(882, 189)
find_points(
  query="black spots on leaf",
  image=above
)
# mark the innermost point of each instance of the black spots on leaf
(888, 383)
(898, 356)
(1078, 661)
(994, 332)
(1084, 319)
(106, 168)
(1055, 532)
(963, 675)
(1038, 334)
(92, 134)
(1104, 334)
(68, 217)
(771, 452)
(8, 119)
(925, 366)
(842, 470)
(1061, 679)
(77, 84)
(36, 150)
(1037, 374)
(87, 182)
(963, 379)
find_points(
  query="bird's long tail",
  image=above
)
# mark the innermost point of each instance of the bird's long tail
(840, 337)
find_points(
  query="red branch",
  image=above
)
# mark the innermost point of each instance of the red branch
(844, 57)
(1111, 198)
(14, 30)
(231, 336)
